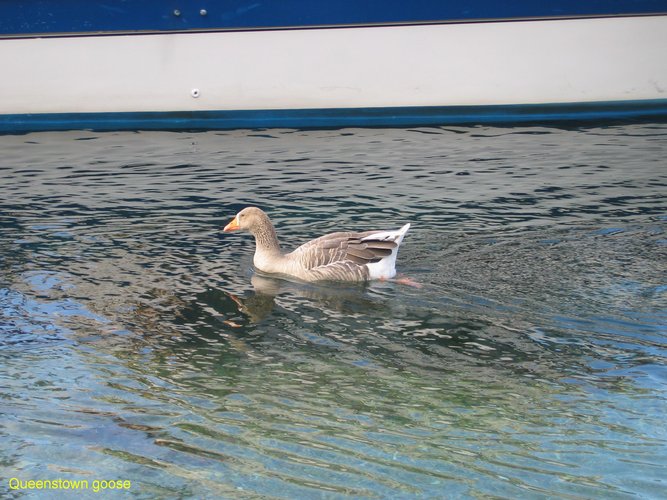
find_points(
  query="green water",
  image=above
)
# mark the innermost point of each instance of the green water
(138, 344)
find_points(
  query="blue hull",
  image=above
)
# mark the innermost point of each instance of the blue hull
(71, 17)
(335, 118)
(88, 64)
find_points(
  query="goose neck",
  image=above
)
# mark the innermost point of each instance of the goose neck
(266, 239)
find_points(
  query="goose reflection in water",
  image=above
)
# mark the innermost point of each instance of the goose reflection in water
(271, 292)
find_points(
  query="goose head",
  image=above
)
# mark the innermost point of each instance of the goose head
(250, 219)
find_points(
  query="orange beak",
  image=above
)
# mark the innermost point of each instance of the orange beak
(232, 226)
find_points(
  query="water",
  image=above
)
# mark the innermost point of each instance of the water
(137, 344)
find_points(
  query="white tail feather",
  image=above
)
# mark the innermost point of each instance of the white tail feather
(386, 268)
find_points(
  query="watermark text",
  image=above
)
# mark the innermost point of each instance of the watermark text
(96, 485)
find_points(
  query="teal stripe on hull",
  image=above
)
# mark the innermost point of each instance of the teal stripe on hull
(337, 118)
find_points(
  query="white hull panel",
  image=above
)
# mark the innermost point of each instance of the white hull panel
(473, 64)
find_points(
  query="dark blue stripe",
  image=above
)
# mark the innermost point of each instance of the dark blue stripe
(24, 17)
(336, 118)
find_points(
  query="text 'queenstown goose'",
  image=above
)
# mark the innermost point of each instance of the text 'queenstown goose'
(341, 256)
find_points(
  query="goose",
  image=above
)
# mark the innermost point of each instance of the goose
(341, 256)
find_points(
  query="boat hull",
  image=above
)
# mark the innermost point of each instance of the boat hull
(379, 75)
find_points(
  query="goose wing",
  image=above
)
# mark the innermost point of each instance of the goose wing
(351, 248)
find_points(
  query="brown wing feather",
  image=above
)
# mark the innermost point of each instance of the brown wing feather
(342, 247)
